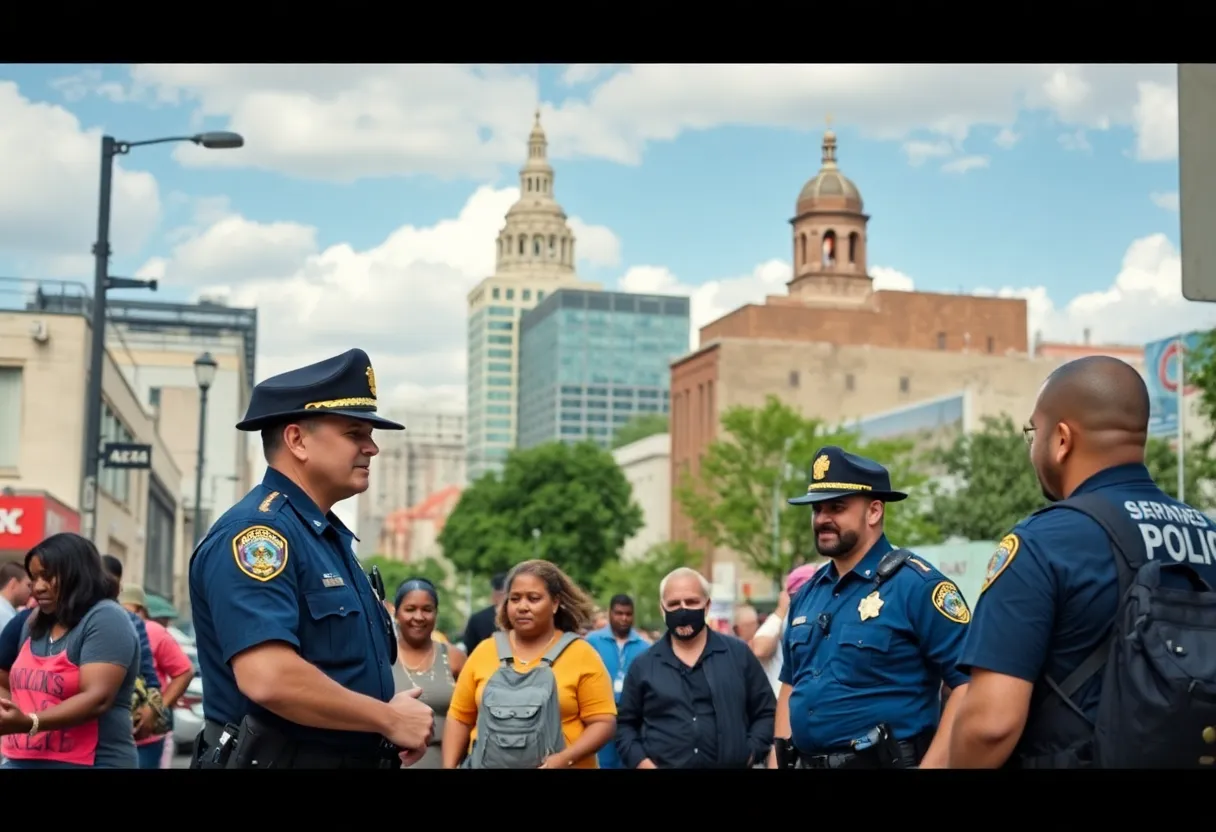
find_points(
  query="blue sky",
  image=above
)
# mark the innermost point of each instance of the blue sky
(684, 177)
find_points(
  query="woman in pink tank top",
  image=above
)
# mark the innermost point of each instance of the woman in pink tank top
(71, 684)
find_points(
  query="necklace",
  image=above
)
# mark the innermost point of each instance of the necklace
(534, 659)
(428, 662)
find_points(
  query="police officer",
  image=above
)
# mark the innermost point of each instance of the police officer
(1052, 587)
(872, 639)
(295, 645)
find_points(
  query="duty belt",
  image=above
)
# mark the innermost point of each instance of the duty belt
(910, 753)
(313, 755)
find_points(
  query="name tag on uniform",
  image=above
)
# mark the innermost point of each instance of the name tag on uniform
(799, 620)
(331, 580)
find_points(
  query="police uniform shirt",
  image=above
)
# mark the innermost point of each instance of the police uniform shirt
(1052, 586)
(274, 568)
(857, 655)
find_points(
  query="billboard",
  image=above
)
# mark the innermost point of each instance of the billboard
(1197, 179)
(26, 519)
(1161, 376)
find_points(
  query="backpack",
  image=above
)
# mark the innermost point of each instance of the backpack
(1157, 707)
(519, 722)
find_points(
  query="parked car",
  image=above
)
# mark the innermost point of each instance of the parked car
(188, 716)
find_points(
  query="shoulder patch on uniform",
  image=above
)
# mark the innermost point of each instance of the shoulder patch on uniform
(949, 602)
(260, 552)
(1001, 558)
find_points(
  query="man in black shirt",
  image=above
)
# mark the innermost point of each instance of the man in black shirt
(696, 699)
(481, 624)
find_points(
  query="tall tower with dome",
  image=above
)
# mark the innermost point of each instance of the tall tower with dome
(830, 237)
(534, 256)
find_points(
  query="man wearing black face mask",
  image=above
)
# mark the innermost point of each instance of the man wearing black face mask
(874, 637)
(696, 699)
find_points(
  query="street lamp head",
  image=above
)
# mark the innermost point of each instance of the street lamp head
(204, 370)
(219, 140)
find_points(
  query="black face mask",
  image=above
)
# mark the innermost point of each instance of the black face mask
(683, 617)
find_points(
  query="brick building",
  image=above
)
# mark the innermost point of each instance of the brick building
(839, 350)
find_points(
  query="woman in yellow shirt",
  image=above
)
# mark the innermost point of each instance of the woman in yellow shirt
(541, 603)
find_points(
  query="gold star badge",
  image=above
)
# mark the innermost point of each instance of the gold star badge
(870, 605)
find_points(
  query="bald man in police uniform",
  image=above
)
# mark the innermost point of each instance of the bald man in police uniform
(294, 642)
(1039, 642)
(874, 638)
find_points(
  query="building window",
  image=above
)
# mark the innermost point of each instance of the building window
(494, 293)
(991, 343)
(158, 561)
(511, 292)
(10, 416)
(527, 294)
(904, 384)
(849, 382)
(154, 396)
(793, 378)
(941, 340)
(114, 481)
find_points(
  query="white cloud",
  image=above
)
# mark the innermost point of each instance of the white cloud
(1007, 138)
(403, 301)
(347, 121)
(1156, 122)
(1076, 140)
(920, 151)
(49, 165)
(965, 163)
(1167, 201)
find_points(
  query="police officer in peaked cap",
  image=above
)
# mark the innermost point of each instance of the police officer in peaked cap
(873, 639)
(295, 645)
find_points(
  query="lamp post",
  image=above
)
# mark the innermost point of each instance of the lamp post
(204, 374)
(111, 147)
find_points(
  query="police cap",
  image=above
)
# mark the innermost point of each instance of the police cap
(836, 473)
(344, 385)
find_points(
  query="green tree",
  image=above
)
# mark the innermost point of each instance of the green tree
(450, 619)
(639, 579)
(567, 503)
(639, 427)
(1162, 459)
(991, 485)
(1200, 370)
(763, 458)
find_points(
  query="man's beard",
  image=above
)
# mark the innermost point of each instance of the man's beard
(618, 631)
(1043, 487)
(845, 543)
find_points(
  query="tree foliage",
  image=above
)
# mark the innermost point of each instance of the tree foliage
(1200, 370)
(566, 503)
(1199, 470)
(640, 427)
(764, 457)
(639, 579)
(450, 619)
(989, 484)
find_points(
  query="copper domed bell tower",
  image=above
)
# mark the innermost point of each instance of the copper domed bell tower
(830, 237)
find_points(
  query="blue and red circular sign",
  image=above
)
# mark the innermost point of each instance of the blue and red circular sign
(1167, 368)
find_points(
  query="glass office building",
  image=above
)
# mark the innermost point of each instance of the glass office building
(931, 416)
(591, 361)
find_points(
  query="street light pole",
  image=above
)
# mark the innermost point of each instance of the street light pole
(111, 147)
(204, 374)
(778, 486)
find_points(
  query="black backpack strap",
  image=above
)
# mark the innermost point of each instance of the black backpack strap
(891, 563)
(1125, 545)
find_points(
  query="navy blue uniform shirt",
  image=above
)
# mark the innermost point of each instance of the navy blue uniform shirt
(1052, 586)
(855, 660)
(274, 568)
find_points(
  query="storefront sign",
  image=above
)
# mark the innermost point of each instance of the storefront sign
(27, 519)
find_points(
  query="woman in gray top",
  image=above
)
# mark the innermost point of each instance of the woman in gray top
(423, 662)
(70, 687)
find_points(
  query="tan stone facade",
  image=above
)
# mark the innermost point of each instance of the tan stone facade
(43, 360)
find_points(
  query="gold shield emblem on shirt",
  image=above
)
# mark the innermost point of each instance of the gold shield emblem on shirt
(870, 605)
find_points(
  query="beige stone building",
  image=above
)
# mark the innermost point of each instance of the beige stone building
(535, 256)
(43, 362)
(646, 465)
(890, 362)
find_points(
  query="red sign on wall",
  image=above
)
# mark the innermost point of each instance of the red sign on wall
(27, 519)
